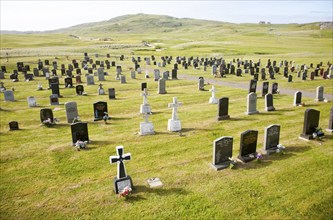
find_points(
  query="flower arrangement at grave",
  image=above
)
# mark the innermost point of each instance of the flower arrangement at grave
(76, 119)
(259, 157)
(81, 145)
(233, 162)
(318, 134)
(126, 192)
(48, 122)
(280, 149)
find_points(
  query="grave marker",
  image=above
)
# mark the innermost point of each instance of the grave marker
(311, 122)
(122, 180)
(222, 151)
(271, 138)
(252, 104)
(79, 132)
(71, 111)
(174, 123)
(248, 146)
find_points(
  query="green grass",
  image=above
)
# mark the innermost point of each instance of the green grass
(44, 177)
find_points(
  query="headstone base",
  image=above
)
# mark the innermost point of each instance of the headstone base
(247, 158)
(252, 113)
(174, 125)
(220, 166)
(145, 109)
(146, 128)
(98, 119)
(329, 130)
(269, 151)
(213, 100)
(270, 108)
(306, 137)
(120, 184)
(224, 117)
(319, 100)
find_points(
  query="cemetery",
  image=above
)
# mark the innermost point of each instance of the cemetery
(214, 132)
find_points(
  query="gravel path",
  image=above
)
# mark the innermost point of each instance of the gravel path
(245, 86)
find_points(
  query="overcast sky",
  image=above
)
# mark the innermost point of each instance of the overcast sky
(28, 15)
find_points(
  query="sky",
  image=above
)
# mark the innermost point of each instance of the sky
(26, 15)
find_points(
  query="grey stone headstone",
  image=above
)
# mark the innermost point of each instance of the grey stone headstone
(2, 75)
(222, 151)
(201, 84)
(251, 104)
(112, 93)
(54, 99)
(9, 95)
(223, 108)
(79, 132)
(330, 122)
(311, 122)
(157, 74)
(269, 102)
(122, 79)
(271, 138)
(133, 76)
(90, 80)
(100, 73)
(174, 74)
(31, 101)
(71, 111)
(298, 98)
(319, 94)
(166, 75)
(46, 114)
(161, 86)
(248, 145)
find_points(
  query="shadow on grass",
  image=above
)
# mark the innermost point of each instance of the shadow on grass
(276, 156)
(239, 119)
(119, 119)
(98, 143)
(310, 105)
(253, 165)
(297, 149)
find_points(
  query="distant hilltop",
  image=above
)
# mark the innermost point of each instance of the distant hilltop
(136, 23)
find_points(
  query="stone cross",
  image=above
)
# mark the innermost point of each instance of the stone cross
(174, 107)
(119, 160)
(213, 90)
(144, 94)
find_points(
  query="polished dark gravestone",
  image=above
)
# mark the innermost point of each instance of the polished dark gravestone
(99, 109)
(122, 180)
(222, 151)
(13, 125)
(311, 122)
(223, 108)
(79, 132)
(271, 138)
(248, 146)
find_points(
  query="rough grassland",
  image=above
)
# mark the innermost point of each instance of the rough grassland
(43, 177)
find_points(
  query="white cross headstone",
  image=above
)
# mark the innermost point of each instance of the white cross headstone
(213, 99)
(174, 123)
(145, 107)
(146, 127)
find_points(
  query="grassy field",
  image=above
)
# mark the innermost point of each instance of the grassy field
(44, 177)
